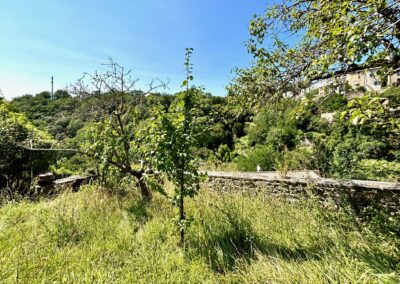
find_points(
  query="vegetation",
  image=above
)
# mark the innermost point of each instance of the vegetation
(174, 135)
(112, 139)
(289, 133)
(329, 45)
(17, 165)
(157, 143)
(358, 35)
(96, 236)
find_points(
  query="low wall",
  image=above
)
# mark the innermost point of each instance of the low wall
(357, 193)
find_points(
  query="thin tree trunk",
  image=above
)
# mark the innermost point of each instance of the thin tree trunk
(145, 192)
(181, 206)
(182, 216)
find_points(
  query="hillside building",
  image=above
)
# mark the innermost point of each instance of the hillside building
(354, 82)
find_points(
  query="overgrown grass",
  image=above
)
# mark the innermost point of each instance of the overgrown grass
(95, 237)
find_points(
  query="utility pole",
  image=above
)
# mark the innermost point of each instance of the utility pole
(52, 88)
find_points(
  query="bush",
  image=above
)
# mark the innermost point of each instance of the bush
(224, 154)
(72, 165)
(263, 155)
(300, 158)
(17, 164)
(333, 103)
(378, 170)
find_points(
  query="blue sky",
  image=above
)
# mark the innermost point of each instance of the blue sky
(42, 38)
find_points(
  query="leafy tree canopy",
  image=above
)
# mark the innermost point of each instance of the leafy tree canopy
(336, 37)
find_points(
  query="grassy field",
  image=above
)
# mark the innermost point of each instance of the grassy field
(96, 237)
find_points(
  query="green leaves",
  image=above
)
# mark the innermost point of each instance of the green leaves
(331, 37)
(375, 110)
(172, 135)
(17, 165)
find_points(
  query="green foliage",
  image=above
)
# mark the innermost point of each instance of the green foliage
(61, 117)
(378, 113)
(328, 44)
(74, 164)
(345, 156)
(18, 165)
(271, 134)
(174, 135)
(224, 154)
(333, 102)
(363, 129)
(339, 153)
(378, 170)
(112, 139)
(368, 129)
(102, 141)
(270, 159)
(64, 116)
(300, 158)
(263, 155)
(272, 118)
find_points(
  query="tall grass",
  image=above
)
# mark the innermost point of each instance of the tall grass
(96, 237)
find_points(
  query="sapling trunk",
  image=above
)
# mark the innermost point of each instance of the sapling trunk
(186, 107)
(175, 135)
(182, 214)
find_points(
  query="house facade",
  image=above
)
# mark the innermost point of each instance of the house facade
(354, 82)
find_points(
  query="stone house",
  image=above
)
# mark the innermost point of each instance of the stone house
(354, 83)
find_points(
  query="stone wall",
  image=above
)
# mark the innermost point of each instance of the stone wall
(358, 194)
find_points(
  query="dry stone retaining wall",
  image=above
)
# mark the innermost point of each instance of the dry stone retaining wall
(359, 194)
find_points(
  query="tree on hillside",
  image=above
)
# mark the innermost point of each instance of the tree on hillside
(112, 138)
(333, 37)
(59, 94)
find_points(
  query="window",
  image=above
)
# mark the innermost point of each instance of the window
(377, 83)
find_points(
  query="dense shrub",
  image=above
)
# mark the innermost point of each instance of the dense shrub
(263, 155)
(271, 133)
(18, 165)
(378, 170)
(333, 102)
(224, 154)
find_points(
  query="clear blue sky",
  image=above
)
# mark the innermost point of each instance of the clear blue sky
(42, 38)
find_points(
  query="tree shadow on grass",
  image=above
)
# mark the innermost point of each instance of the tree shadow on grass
(139, 212)
(379, 260)
(236, 242)
(224, 251)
